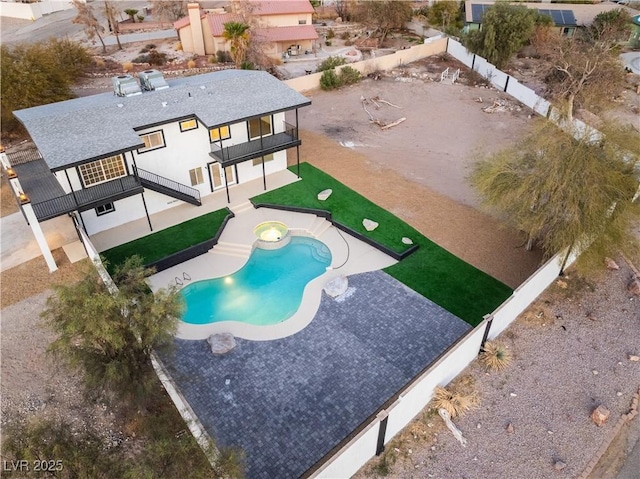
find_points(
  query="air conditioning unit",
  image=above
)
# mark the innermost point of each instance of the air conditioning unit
(125, 85)
(151, 80)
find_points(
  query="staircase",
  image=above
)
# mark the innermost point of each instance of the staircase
(238, 250)
(168, 187)
(242, 207)
(319, 226)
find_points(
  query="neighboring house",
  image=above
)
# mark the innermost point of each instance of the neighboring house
(32, 10)
(282, 26)
(634, 39)
(566, 16)
(114, 159)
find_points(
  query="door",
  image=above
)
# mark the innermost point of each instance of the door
(218, 173)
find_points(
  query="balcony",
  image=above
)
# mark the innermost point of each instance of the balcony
(256, 148)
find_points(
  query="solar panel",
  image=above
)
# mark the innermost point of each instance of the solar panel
(562, 18)
(477, 11)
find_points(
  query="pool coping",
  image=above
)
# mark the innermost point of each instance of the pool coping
(360, 258)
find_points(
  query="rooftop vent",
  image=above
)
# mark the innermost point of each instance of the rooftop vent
(125, 85)
(151, 80)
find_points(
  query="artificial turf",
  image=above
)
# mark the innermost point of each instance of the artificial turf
(432, 271)
(166, 242)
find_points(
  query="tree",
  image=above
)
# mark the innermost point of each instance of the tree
(168, 10)
(562, 191)
(132, 14)
(50, 68)
(444, 15)
(110, 12)
(584, 69)
(237, 33)
(385, 15)
(110, 337)
(86, 17)
(505, 30)
(344, 9)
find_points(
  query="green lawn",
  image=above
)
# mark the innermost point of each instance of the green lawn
(166, 242)
(432, 271)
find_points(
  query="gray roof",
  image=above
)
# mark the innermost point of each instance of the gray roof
(74, 131)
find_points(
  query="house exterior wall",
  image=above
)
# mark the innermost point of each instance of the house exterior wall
(209, 40)
(127, 209)
(285, 20)
(186, 38)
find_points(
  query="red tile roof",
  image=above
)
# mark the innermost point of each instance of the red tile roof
(284, 34)
(183, 22)
(217, 21)
(280, 7)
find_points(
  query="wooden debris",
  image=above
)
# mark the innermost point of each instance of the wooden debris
(376, 101)
(391, 125)
(380, 100)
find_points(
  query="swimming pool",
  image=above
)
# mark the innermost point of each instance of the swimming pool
(266, 290)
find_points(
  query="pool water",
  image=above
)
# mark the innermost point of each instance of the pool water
(266, 290)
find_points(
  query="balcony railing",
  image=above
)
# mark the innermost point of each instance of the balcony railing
(165, 185)
(255, 148)
(87, 198)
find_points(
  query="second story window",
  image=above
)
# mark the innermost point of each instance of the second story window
(102, 170)
(187, 125)
(259, 127)
(221, 133)
(152, 141)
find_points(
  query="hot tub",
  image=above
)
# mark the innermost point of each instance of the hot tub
(272, 235)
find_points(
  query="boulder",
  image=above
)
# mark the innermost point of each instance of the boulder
(336, 286)
(369, 225)
(634, 286)
(633, 357)
(510, 429)
(600, 415)
(406, 240)
(324, 194)
(221, 343)
(559, 465)
(610, 264)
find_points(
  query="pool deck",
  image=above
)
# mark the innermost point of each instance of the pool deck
(286, 403)
(349, 256)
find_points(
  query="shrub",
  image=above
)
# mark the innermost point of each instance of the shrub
(344, 35)
(223, 57)
(328, 43)
(495, 356)
(455, 403)
(147, 48)
(329, 80)
(211, 59)
(127, 66)
(99, 62)
(330, 63)
(179, 46)
(140, 18)
(154, 57)
(191, 64)
(331, 33)
(247, 65)
(349, 76)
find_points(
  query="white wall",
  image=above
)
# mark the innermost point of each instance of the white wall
(32, 11)
(127, 209)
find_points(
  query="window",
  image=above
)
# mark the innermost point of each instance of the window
(102, 170)
(258, 161)
(105, 209)
(302, 21)
(187, 125)
(221, 133)
(152, 141)
(196, 176)
(259, 125)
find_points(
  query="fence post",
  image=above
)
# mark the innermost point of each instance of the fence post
(382, 431)
(506, 84)
(473, 62)
(489, 319)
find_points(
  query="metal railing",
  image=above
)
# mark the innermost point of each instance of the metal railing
(167, 183)
(255, 148)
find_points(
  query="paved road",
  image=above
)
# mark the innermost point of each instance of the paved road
(631, 468)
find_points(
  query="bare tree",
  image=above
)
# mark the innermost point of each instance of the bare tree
(169, 10)
(86, 17)
(110, 12)
(385, 15)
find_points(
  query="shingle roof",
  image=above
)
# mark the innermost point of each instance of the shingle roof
(283, 34)
(74, 131)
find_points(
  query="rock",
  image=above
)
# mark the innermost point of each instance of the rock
(559, 465)
(561, 284)
(610, 264)
(595, 373)
(513, 395)
(221, 343)
(510, 428)
(406, 240)
(336, 286)
(600, 415)
(369, 225)
(634, 286)
(633, 357)
(324, 194)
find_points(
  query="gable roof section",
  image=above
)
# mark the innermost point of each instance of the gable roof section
(76, 131)
(217, 21)
(281, 7)
(284, 34)
(183, 22)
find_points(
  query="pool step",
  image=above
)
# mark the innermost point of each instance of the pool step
(232, 249)
(319, 227)
(242, 207)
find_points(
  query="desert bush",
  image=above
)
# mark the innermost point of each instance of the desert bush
(99, 62)
(495, 355)
(153, 57)
(147, 48)
(329, 80)
(140, 18)
(179, 46)
(223, 57)
(344, 35)
(330, 63)
(349, 76)
(247, 65)
(211, 59)
(191, 64)
(331, 33)
(328, 43)
(127, 66)
(348, 43)
(456, 403)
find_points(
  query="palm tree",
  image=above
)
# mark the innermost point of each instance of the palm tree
(237, 33)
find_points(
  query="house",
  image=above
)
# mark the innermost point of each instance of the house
(566, 16)
(113, 159)
(282, 26)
